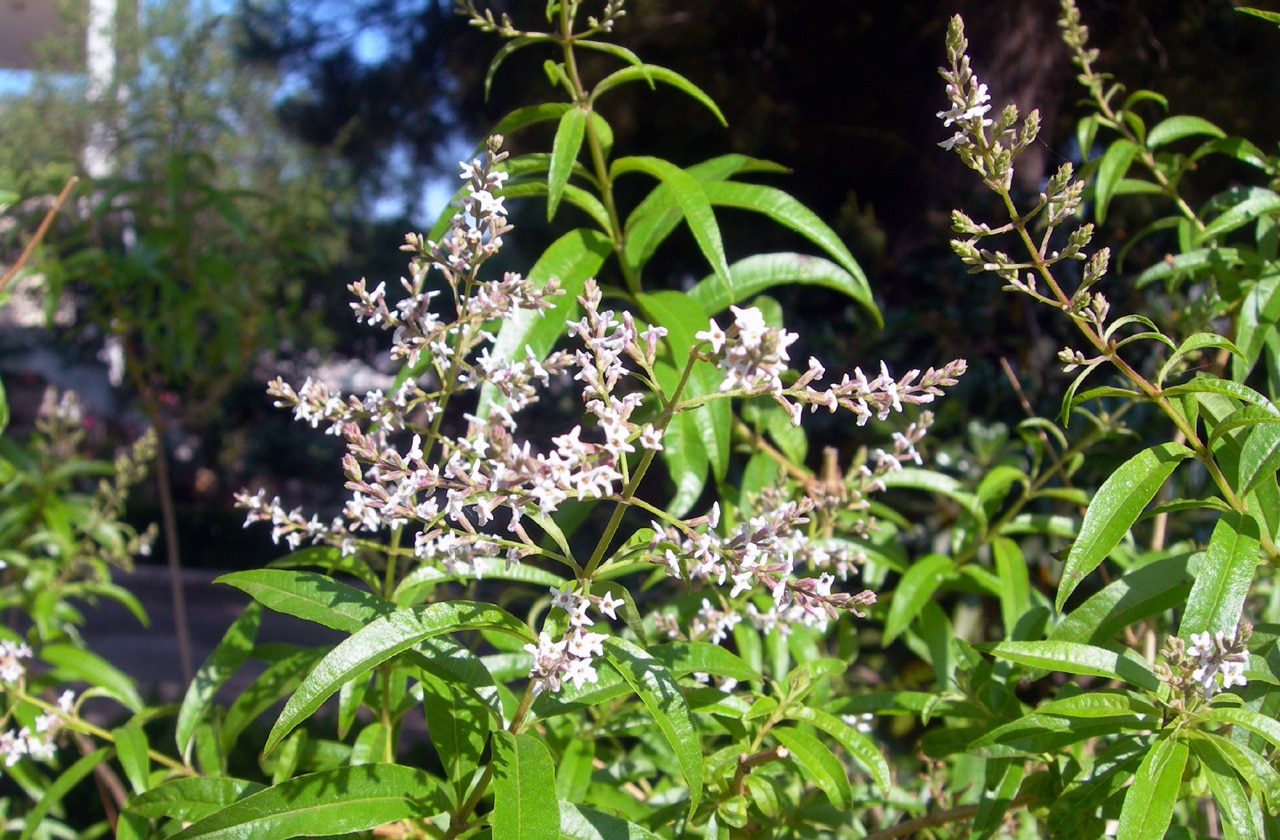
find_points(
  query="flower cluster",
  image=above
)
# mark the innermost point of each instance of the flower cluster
(1213, 662)
(754, 358)
(38, 740)
(1219, 655)
(570, 659)
(442, 453)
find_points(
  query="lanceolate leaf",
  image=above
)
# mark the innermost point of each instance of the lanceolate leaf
(524, 779)
(384, 638)
(1147, 591)
(859, 746)
(662, 697)
(1114, 165)
(1223, 579)
(225, 660)
(788, 212)
(51, 797)
(682, 449)
(1114, 509)
(650, 73)
(311, 596)
(458, 722)
(755, 274)
(324, 804)
(1148, 805)
(817, 764)
(1076, 658)
(681, 658)
(587, 824)
(564, 151)
(917, 586)
(1233, 802)
(692, 199)
(191, 799)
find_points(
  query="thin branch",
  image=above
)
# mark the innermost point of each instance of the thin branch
(40, 232)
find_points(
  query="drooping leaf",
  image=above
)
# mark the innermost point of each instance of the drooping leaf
(816, 764)
(694, 205)
(524, 780)
(310, 596)
(667, 706)
(752, 275)
(1233, 802)
(650, 73)
(859, 746)
(1114, 509)
(74, 664)
(1077, 658)
(383, 638)
(1177, 127)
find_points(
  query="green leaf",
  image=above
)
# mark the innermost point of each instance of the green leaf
(1141, 593)
(192, 798)
(683, 658)
(131, 751)
(662, 697)
(1113, 167)
(310, 596)
(284, 673)
(524, 781)
(1077, 658)
(1223, 578)
(1114, 509)
(816, 764)
(790, 213)
(1257, 723)
(1195, 344)
(1259, 453)
(1175, 128)
(226, 659)
(755, 274)
(1036, 734)
(325, 804)
(571, 259)
(383, 638)
(51, 797)
(917, 587)
(1225, 387)
(1003, 778)
(651, 73)
(530, 115)
(482, 568)
(682, 449)
(692, 199)
(458, 721)
(1257, 202)
(73, 664)
(564, 153)
(865, 751)
(683, 319)
(1106, 703)
(1015, 589)
(1233, 803)
(586, 824)
(1148, 805)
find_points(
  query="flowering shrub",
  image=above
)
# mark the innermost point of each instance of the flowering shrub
(616, 626)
